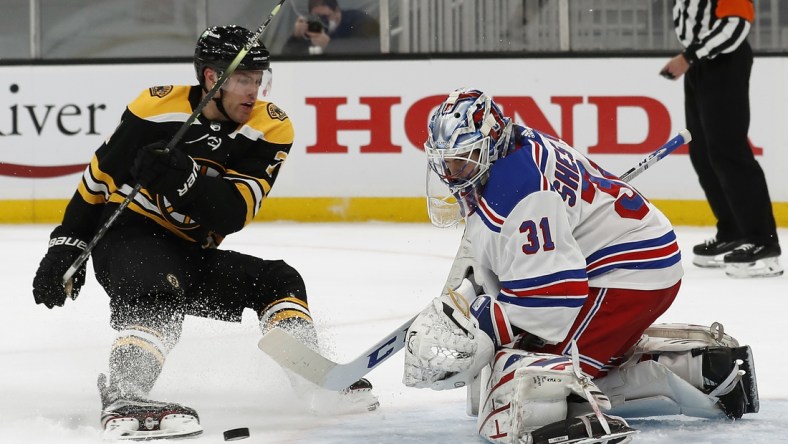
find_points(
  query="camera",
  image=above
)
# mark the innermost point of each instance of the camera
(314, 24)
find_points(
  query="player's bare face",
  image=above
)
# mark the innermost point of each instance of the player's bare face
(239, 94)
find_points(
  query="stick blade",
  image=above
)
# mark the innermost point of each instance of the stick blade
(293, 355)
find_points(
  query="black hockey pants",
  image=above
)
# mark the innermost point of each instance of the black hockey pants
(148, 271)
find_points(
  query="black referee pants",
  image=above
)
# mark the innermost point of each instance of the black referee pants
(717, 111)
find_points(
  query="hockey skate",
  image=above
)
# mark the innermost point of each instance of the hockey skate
(358, 398)
(584, 429)
(360, 394)
(141, 419)
(710, 253)
(750, 260)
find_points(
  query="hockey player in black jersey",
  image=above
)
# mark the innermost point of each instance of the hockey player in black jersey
(159, 260)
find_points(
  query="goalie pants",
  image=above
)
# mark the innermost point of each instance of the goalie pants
(717, 111)
(148, 271)
(610, 323)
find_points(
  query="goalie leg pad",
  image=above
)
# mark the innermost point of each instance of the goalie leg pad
(708, 359)
(524, 391)
(652, 388)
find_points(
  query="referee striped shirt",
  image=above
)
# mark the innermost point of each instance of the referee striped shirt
(707, 28)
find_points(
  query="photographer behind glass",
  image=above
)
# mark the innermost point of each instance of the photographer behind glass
(330, 29)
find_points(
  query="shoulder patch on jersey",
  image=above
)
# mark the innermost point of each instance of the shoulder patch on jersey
(275, 112)
(160, 91)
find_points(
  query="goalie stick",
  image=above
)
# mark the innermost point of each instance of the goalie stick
(253, 41)
(293, 355)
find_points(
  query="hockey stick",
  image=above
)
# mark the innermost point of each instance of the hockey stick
(253, 41)
(683, 137)
(292, 354)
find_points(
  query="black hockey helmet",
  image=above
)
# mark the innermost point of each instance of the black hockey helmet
(219, 45)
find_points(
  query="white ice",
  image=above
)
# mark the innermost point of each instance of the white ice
(363, 281)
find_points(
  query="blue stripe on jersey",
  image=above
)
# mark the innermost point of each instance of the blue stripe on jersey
(483, 216)
(661, 241)
(543, 280)
(543, 302)
(638, 265)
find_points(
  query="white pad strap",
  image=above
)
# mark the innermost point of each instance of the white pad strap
(586, 384)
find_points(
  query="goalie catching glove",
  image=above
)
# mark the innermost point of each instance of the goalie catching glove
(445, 348)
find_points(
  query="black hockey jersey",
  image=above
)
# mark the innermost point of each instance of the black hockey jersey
(238, 163)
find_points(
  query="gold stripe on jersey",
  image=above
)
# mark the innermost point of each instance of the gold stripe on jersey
(252, 189)
(96, 186)
(163, 104)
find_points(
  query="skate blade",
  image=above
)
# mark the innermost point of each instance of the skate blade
(769, 267)
(613, 438)
(121, 430)
(325, 402)
(149, 435)
(708, 261)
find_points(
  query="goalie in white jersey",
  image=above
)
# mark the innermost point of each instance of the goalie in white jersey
(562, 268)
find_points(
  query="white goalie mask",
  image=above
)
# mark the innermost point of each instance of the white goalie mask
(467, 133)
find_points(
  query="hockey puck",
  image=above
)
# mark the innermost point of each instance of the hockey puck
(236, 434)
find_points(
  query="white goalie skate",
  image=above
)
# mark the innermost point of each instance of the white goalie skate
(142, 420)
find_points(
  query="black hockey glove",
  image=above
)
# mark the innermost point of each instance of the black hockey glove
(172, 174)
(64, 248)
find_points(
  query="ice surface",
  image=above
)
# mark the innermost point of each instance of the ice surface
(363, 281)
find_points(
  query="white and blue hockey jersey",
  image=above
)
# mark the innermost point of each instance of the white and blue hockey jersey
(551, 223)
